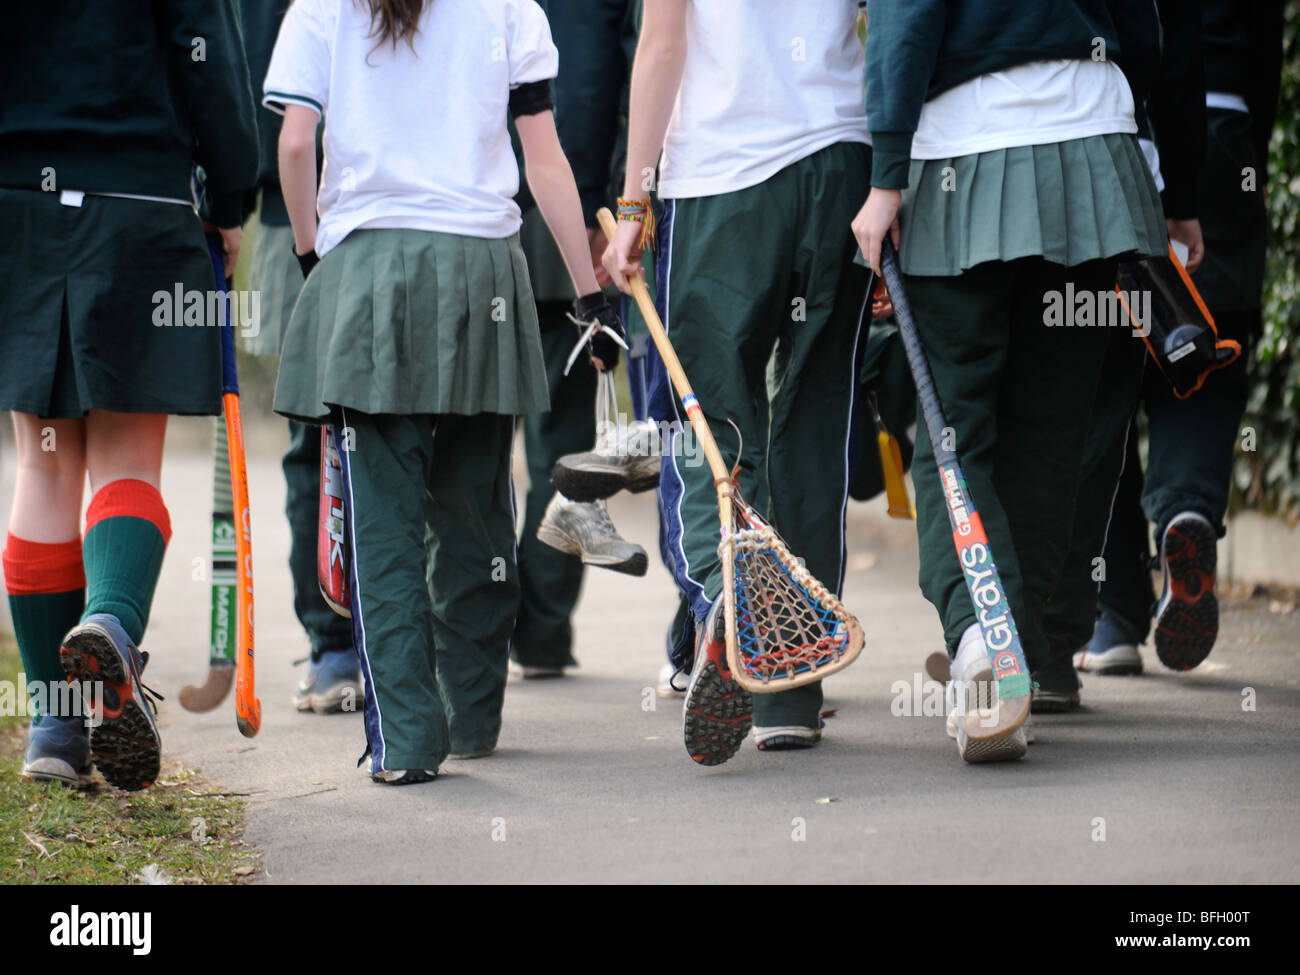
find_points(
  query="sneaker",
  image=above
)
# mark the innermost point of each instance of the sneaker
(404, 776)
(718, 711)
(584, 529)
(534, 671)
(672, 682)
(1187, 616)
(1048, 701)
(58, 750)
(124, 740)
(785, 738)
(972, 688)
(1108, 652)
(625, 458)
(332, 683)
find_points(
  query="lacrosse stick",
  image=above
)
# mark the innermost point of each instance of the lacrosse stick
(973, 550)
(784, 628)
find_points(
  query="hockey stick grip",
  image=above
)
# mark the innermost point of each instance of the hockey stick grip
(931, 408)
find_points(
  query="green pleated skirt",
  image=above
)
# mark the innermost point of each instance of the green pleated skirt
(1067, 202)
(275, 275)
(411, 321)
(89, 309)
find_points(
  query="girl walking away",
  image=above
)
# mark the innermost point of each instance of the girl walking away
(1005, 149)
(107, 109)
(417, 334)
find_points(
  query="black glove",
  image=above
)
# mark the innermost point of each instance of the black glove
(593, 309)
(307, 261)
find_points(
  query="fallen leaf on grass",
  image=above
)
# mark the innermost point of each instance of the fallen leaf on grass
(244, 871)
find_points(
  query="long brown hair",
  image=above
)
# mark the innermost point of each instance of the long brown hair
(394, 21)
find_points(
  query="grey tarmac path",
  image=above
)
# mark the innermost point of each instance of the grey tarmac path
(591, 782)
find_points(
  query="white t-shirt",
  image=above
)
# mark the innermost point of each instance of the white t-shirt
(765, 84)
(413, 138)
(1030, 104)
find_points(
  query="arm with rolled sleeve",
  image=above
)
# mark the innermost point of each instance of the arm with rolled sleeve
(903, 40)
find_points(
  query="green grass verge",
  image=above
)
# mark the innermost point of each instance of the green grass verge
(182, 830)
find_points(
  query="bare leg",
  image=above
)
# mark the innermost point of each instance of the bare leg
(123, 446)
(50, 479)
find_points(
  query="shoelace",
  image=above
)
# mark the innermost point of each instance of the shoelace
(603, 520)
(151, 696)
(587, 331)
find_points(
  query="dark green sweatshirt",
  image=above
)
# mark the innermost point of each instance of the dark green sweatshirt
(592, 38)
(1242, 41)
(124, 97)
(1176, 106)
(917, 49)
(260, 23)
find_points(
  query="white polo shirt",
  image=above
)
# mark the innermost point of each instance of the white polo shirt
(765, 84)
(414, 138)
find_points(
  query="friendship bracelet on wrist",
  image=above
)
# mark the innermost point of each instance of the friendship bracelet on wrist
(639, 210)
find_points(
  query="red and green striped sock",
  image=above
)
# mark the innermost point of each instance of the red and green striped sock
(47, 591)
(127, 530)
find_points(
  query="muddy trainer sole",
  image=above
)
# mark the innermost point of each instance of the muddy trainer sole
(718, 715)
(1187, 618)
(596, 484)
(124, 743)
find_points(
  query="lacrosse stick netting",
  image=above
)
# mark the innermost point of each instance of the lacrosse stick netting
(789, 628)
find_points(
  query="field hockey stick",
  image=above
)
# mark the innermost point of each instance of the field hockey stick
(224, 598)
(784, 628)
(248, 709)
(332, 555)
(221, 644)
(1001, 639)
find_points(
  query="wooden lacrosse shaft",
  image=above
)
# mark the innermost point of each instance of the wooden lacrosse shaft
(690, 402)
(721, 476)
(1001, 639)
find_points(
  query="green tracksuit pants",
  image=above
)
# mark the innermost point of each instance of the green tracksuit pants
(765, 308)
(434, 581)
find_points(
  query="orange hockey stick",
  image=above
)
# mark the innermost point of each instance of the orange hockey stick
(248, 709)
